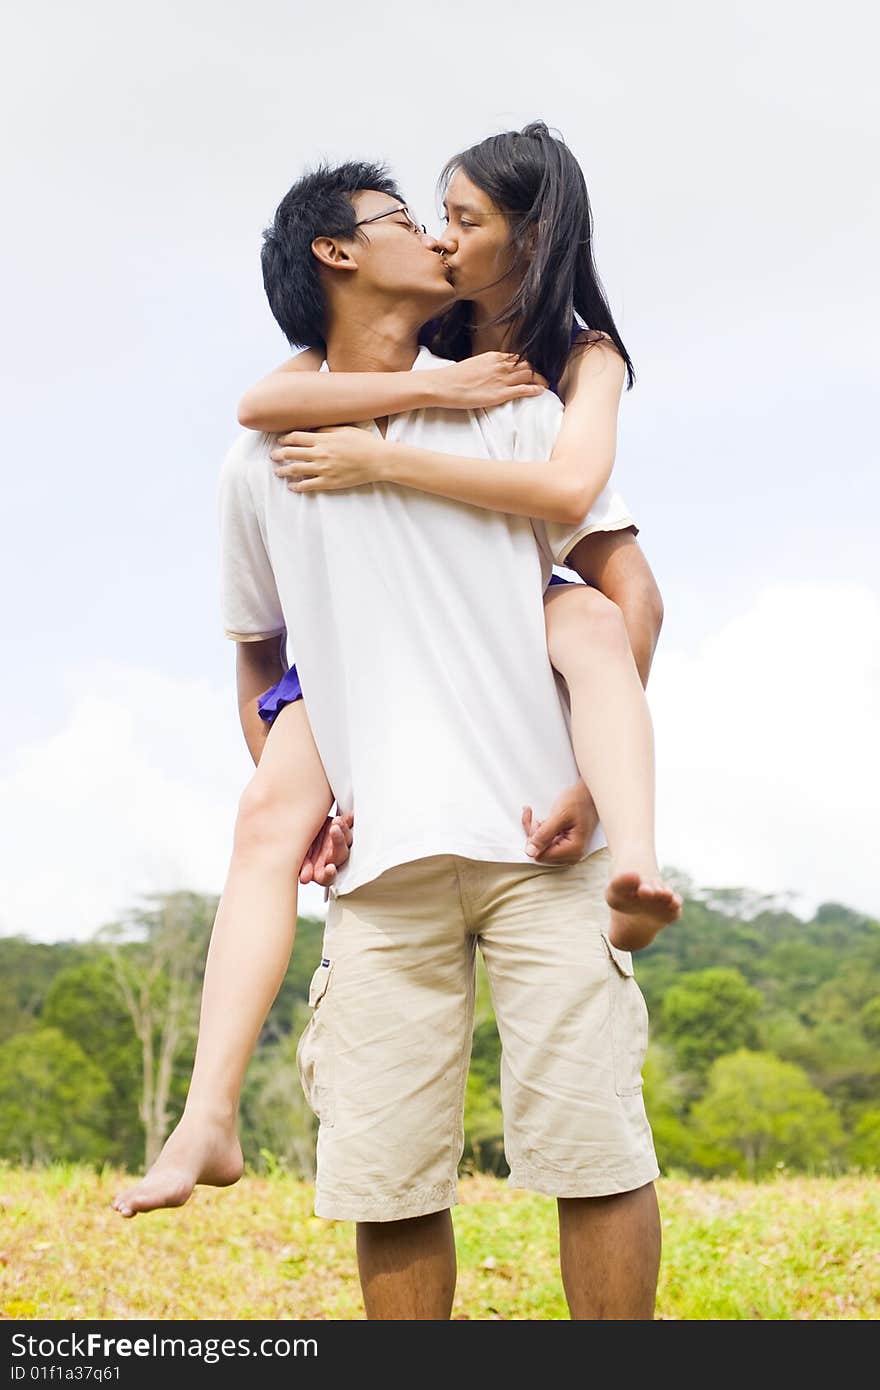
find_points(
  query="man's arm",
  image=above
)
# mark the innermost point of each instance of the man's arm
(258, 665)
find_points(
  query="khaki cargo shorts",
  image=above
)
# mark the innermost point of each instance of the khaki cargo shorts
(384, 1058)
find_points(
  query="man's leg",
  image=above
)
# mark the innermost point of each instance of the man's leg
(407, 1268)
(609, 1252)
(574, 1031)
(384, 1063)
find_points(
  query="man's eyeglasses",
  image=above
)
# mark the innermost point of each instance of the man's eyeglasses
(418, 227)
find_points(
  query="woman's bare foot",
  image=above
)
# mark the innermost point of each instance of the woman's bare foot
(641, 906)
(197, 1151)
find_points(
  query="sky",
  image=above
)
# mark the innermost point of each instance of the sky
(727, 151)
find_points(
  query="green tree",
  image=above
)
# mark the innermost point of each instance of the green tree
(709, 1013)
(666, 1100)
(285, 1015)
(53, 1100)
(792, 970)
(27, 969)
(864, 1149)
(275, 1116)
(483, 1120)
(869, 1019)
(84, 1003)
(758, 1112)
(158, 956)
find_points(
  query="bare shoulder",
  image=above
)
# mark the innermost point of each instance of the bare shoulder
(594, 358)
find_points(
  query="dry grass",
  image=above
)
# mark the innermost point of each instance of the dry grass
(790, 1248)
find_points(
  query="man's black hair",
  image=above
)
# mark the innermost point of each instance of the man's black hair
(318, 204)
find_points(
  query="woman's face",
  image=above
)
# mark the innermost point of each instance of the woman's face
(476, 243)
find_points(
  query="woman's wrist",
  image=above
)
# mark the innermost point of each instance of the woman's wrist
(389, 461)
(431, 388)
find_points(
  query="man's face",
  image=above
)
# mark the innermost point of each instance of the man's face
(397, 256)
(476, 242)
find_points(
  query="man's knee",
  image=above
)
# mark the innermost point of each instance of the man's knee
(405, 1226)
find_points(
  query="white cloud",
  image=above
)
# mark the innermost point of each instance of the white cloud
(767, 750)
(135, 793)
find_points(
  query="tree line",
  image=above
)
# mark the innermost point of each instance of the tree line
(763, 1054)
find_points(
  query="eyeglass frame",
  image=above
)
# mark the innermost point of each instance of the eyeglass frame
(418, 227)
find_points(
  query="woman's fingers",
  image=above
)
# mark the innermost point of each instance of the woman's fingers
(526, 373)
(313, 469)
(301, 439)
(290, 454)
(527, 378)
(313, 485)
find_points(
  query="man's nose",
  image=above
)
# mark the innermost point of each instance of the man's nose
(445, 242)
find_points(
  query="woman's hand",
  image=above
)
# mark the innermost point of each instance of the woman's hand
(490, 378)
(328, 459)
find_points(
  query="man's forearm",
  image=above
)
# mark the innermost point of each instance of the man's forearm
(258, 665)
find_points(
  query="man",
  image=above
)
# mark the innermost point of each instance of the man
(418, 629)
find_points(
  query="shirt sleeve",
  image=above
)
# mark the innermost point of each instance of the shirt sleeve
(250, 605)
(609, 512)
(536, 433)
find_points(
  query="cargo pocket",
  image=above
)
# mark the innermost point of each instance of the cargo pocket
(629, 1021)
(314, 1055)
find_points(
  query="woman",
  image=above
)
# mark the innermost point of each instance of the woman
(517, 248)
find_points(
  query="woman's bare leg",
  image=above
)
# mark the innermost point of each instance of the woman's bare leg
(282, 808)
(613, 741)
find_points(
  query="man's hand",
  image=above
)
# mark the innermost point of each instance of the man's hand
(562, 838)
(328, 851)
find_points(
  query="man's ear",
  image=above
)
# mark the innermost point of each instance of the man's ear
(332, 254)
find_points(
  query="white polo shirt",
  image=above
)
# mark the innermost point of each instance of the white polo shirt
(417, 627)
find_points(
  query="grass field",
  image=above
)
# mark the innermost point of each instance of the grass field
(792, 1248)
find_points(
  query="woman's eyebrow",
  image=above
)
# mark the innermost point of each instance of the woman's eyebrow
(464, 207)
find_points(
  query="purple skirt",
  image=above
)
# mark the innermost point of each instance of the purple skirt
(288, 690)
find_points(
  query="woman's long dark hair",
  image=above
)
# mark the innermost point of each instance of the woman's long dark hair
(533, 177)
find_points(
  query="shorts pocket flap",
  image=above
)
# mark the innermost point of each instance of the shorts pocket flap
(320, 981)
(622, 959)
